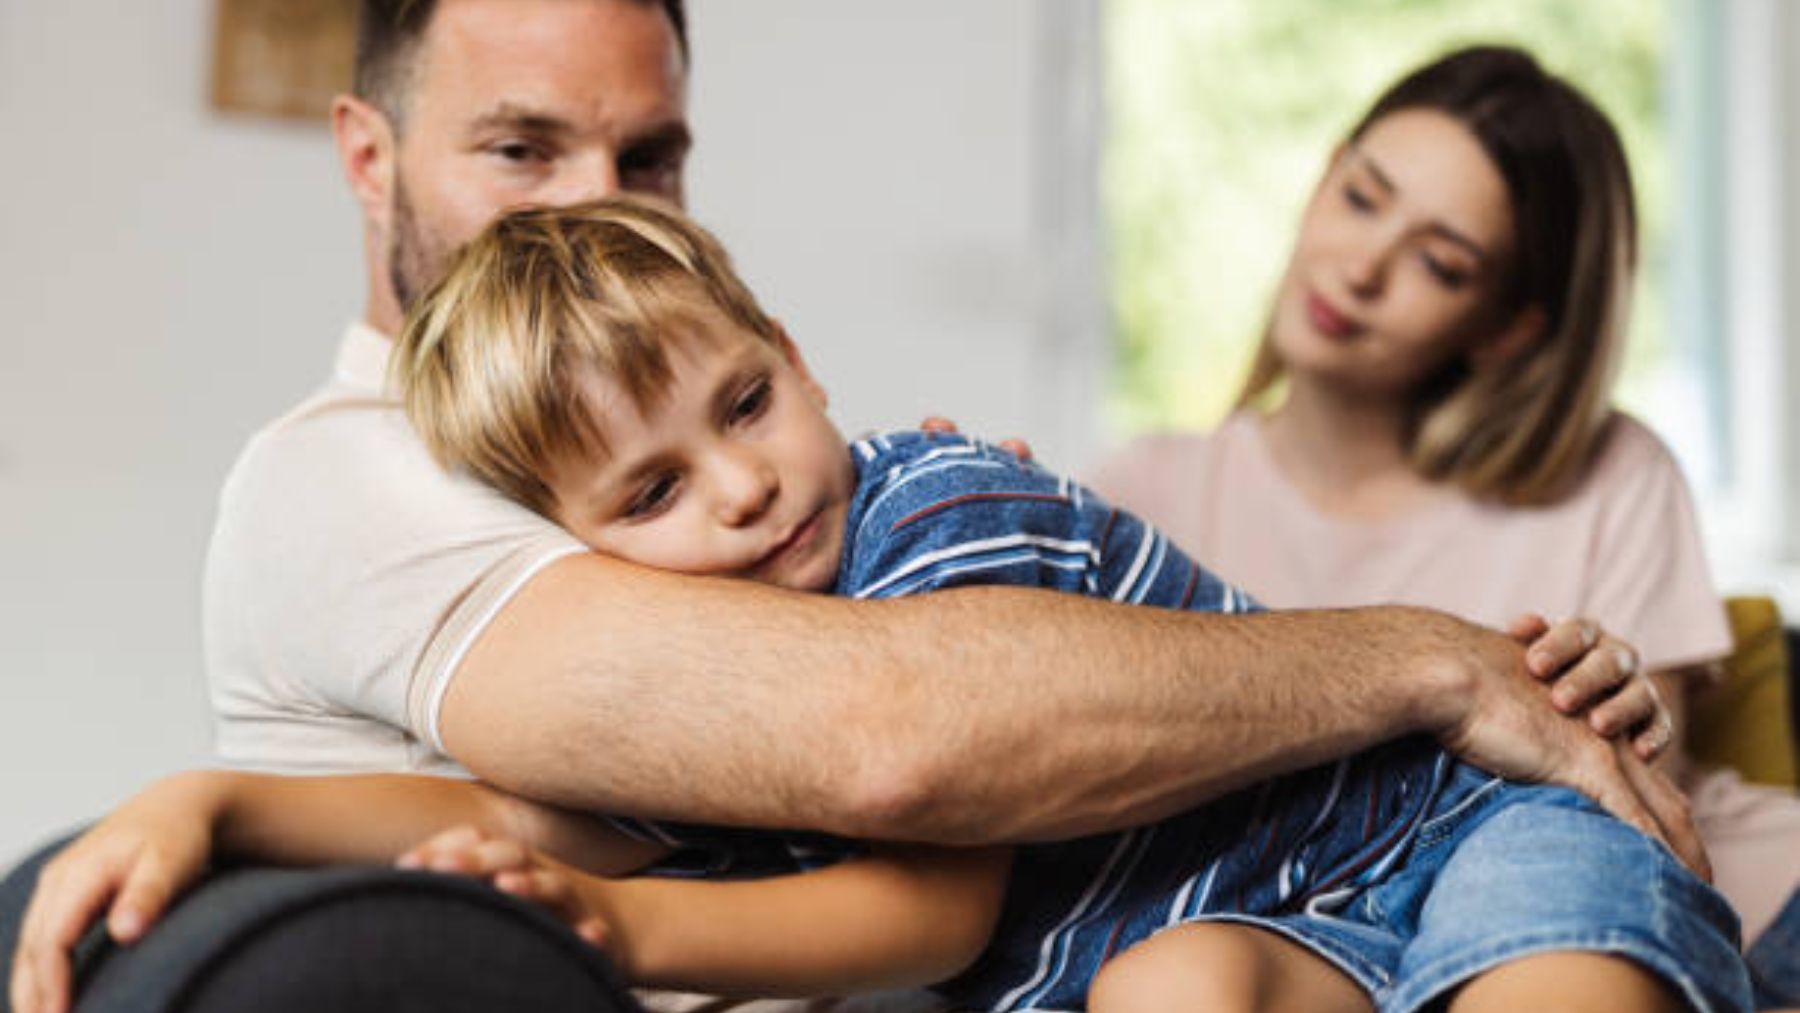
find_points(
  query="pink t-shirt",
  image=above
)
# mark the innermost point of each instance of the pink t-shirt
(1623, 549)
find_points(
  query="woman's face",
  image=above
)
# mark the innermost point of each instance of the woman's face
(1401, 256)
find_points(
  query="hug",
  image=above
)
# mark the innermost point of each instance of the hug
(561, 638)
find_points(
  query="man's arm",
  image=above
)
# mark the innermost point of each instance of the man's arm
(971, 716)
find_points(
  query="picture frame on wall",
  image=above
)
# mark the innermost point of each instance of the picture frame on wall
(283, 59)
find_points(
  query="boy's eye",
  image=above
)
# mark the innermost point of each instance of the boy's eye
(655, 497)
(752, 402)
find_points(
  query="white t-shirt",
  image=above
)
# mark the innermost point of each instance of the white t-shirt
(1623, 548)
(348, 575)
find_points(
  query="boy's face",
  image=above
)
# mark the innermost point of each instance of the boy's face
(737, 472)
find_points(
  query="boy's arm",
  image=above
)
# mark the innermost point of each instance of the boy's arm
(132, 864)
(900, 917)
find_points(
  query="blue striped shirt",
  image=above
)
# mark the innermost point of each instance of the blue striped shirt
(933, 512)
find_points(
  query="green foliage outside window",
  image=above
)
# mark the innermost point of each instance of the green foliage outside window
(1221, 116)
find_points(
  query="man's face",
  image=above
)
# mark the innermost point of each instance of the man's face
(515, 102)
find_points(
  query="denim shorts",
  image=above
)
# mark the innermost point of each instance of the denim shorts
(1503, 871)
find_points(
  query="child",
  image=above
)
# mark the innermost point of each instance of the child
(603, 365)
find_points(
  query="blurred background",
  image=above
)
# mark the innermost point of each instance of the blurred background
(1052, 218)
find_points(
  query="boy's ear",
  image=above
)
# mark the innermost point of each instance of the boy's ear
(366, 148)
(1511, 340)
(791, 352)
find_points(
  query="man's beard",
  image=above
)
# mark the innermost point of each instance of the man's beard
(415, 257)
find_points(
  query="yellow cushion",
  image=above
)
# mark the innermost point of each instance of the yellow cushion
(1744, 722)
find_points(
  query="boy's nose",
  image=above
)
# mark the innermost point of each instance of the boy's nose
(747, 485)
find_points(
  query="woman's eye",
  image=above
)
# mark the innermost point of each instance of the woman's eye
(752, 402)
(1448, 276)
(656, 497)
(1357, 199)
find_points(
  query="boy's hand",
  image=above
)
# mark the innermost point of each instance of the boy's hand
(512, 868)
(129, 867)
(1598, 677)
(938, 424)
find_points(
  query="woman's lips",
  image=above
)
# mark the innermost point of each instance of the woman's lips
(1327, 319)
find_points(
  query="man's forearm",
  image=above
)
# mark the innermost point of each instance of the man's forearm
(959, 717)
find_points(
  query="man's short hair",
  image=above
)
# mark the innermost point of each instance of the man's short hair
(491, 361)
(387, 38)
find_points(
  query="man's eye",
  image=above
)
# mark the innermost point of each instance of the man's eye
(519, 152)
(752, 402)
(656, 497)
(652, 170)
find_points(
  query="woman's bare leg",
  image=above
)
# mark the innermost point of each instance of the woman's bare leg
(1222, 967)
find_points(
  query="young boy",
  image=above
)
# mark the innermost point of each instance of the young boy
(603, 365)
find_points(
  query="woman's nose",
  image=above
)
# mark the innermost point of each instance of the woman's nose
(1365, 265)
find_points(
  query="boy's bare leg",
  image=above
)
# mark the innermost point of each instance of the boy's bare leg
(1228, 968)
(1568, 983)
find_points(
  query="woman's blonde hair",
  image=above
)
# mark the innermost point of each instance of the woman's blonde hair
(1523, 431)
(490, 361)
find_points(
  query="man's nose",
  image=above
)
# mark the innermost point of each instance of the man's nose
(746, 485)
(593, 177)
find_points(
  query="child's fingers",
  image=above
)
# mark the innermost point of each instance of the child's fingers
(70, 894)
(149, 885)
(593, 930)
(427, 853)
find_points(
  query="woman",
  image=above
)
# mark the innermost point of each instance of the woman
(1428, 417)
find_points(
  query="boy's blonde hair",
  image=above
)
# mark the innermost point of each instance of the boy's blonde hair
(1525, 431)
(491, 359)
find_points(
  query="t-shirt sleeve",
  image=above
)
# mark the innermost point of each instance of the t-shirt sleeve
(965, 514)
(1651, 583)
(347, 577)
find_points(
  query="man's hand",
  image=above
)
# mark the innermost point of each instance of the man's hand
(128, 867)
(1503, 720)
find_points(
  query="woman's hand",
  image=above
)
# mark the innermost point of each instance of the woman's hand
(1597, 676)
(128, 867)
(512, 868)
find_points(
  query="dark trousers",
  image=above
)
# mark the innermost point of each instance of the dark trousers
(349, 938)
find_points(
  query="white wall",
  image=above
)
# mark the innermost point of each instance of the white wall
(170, 279)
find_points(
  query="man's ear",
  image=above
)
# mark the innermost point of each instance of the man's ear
(366, 147)
(791, 352)
(1513, 339)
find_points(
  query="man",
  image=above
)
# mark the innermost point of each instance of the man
(366, 611)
